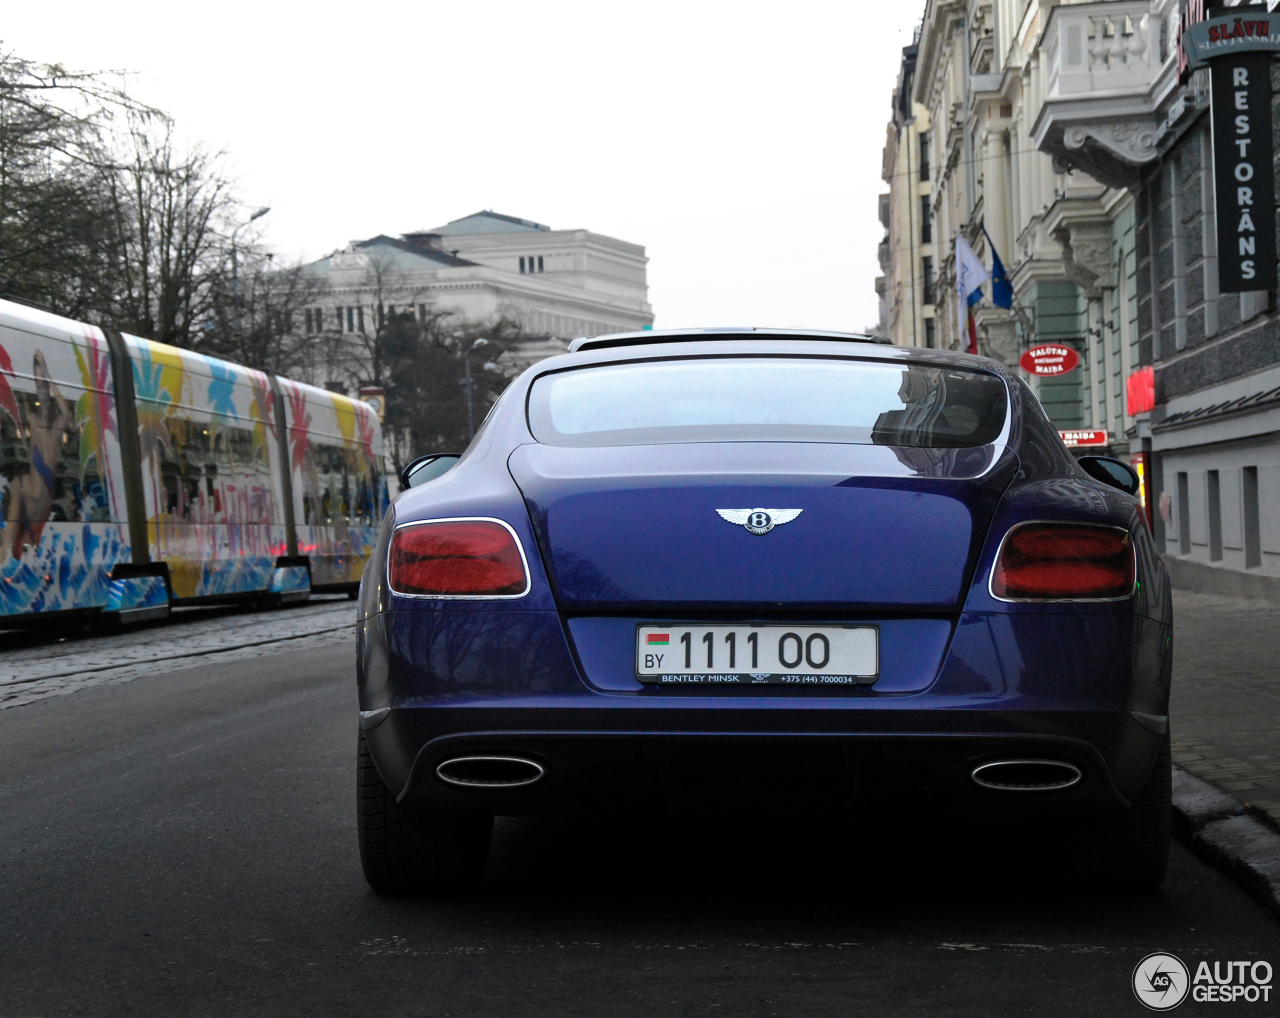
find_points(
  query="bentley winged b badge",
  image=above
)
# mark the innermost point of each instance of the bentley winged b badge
(759, 521)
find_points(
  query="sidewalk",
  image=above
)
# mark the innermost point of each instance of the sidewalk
(1225, 708)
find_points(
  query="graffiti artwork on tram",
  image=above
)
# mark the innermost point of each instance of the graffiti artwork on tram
(59, 460)
(208, 468)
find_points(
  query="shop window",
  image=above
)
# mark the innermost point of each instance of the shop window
(1184, 514)
(1213, 494)
(1252, 530)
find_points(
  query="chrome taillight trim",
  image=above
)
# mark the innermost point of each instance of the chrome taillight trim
(524, 561)
(991, 573)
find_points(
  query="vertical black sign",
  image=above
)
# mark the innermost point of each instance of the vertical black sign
(1242, 170)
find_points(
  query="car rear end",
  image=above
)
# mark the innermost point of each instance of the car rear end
(789, 570)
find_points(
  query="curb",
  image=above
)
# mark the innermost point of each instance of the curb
(1227, 834)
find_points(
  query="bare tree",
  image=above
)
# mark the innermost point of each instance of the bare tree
(171, 213)
(443, 377)
(257, 322)
(103, 215)
(57, 133)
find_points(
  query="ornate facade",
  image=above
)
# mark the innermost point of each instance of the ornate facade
(987, 77)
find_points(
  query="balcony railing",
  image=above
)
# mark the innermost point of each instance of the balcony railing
(1107, 68)
(1102, 49)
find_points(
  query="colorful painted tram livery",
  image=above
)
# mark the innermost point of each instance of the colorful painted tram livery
(135, 475)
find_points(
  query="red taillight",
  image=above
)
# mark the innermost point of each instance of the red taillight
(1067, 561)
(475, 557)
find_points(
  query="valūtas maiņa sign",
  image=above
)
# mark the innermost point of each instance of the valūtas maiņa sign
(1236, 44)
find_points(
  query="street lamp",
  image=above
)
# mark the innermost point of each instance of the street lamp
(235, 280)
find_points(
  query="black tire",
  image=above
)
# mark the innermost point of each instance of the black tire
(1131, 852)
(403, 852)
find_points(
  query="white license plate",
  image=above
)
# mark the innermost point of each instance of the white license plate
(758, 655)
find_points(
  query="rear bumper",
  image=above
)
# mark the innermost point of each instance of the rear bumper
(618, 757)
(508, 683)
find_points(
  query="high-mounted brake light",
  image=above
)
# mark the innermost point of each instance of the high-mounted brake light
(457, 558)
(1064, 561)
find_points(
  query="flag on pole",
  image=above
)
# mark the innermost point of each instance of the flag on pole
(970, 275)
(1001, 288)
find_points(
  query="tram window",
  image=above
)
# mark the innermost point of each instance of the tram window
(200, 466)
(336, 487)
(40, 463)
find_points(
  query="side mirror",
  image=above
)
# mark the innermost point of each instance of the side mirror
(1110, 471)
(427, 468)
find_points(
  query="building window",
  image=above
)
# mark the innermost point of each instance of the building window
(930, 335)
(1213, 491)
(351, 320)
(926, 272)
(1184, 514)
(360, 317)
(924, 155)
(1252, 531)
(522, 265)
(540, 268)
(926, 221)
(309, 328)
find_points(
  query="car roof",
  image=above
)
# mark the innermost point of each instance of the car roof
(729, 333)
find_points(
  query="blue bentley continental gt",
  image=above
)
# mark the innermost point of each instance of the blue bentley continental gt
(747, 561)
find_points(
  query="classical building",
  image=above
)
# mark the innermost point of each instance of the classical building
(964, 159)
(558, 284)
(1212, 436)
(908, 255)
(1075, 138)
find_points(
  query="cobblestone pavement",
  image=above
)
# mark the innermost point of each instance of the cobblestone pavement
(29, 673)
(1225, 709)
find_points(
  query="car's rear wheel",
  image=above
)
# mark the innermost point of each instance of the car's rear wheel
(1130, 852)
(403, 852)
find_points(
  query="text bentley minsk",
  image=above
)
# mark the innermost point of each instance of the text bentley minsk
(737, 558)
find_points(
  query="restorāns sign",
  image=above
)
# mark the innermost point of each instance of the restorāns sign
(1236, 45)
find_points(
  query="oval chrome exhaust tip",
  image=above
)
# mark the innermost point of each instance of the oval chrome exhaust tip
(490, 771)
(1027, 775)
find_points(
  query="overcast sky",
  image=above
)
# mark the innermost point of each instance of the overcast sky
(739, 143)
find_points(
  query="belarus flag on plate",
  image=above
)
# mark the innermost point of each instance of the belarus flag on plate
(658, 640)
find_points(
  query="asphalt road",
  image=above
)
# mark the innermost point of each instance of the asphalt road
(183, 844)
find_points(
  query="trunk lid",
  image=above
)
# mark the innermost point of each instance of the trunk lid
(879, 527)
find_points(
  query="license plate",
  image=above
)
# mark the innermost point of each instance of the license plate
(772, 655)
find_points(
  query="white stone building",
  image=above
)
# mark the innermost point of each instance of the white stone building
(559, 284)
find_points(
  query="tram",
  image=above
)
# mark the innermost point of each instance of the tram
(136, 476)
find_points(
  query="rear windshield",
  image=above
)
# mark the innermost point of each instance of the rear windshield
(767, 399)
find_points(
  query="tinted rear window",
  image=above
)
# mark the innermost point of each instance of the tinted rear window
(767, 399)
